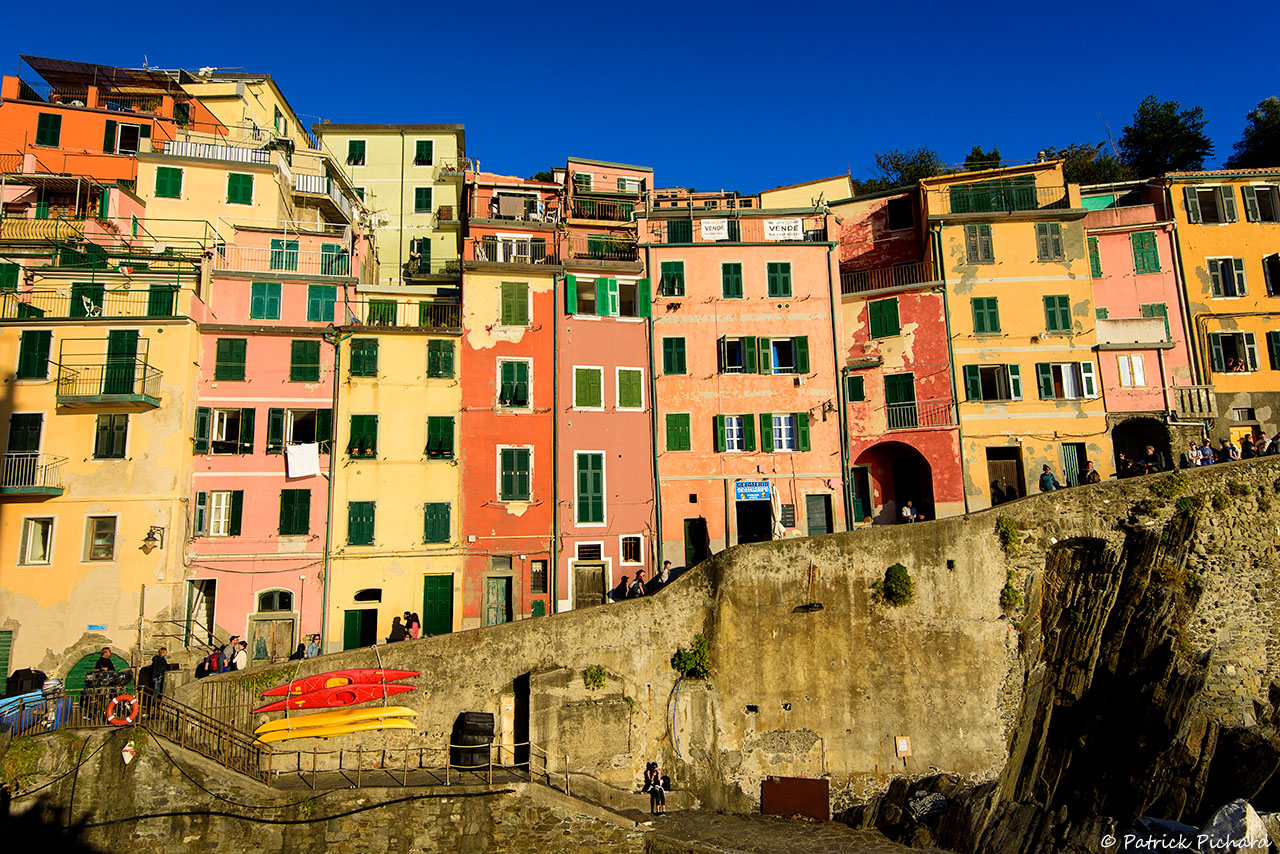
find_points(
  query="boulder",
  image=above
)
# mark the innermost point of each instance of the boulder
(1234, 827)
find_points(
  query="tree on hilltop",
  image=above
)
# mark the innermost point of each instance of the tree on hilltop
(1163, 137)
(979, 159)
(1259, 145)
(1086, 163)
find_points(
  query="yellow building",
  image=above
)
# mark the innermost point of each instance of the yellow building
(1228, 232)
(410, 177)
(396, 533)
(1020, 312)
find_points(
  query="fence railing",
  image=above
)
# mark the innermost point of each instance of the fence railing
(920, 413)
(998, 196)
(433, 267)
(215, 151)
(453, 764)
(392, 312)
(116, 378)
(31, 471)
(158, 301)
(323, 185)
(22, 228)
(261, 259)
(730, 229)
(603, 248)
(512, 208)
(603, 209)
(897, 275)
(455, 166)
(1195, 401)
(516, 250)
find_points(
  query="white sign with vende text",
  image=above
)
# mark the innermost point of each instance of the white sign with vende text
(783, 229)
(715, 229)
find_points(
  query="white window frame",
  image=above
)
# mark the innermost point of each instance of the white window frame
(252, 188)
(735, 433)
(528, 306)
(773, 357)
(1274, 191)
(622, 552)
(1240, 285)
(1218, 190)
(413, 158)
(24, 543)
(782, 423)
(741, 368)
(218, 521)
(497, 380)
(1132, 370)
(577, 548)
(1248, 344)
(288, 422)
(1078, 379)
(599, 369)
(634, 282)
(497, 474)
(257, 602)
(88, 538)
(218, 430)
(604, 491)
(631, 185)
(617, 388)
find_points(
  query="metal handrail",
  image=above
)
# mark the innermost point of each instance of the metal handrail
(920, 413)
(163, 301)
(30, 470)
(896, 275)
(112, 379)
(262, 259)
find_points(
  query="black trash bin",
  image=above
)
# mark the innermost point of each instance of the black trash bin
(471, 739)
(24, 682)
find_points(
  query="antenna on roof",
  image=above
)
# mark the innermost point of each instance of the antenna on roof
(145, 64)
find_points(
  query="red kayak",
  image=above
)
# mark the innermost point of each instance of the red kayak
(337, 679)
(342, 695)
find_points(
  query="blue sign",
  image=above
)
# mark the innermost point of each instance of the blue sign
(751, 490)
(93, 628)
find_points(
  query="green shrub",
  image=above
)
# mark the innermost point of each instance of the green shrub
(1192, 582)
(1010, 536)
(1264, 503)
(1237, 487)
(1010, 596)
(22, 762)
(1147, 506)
(594, 677)
(897, 587)
(1188, 504)
(1171, 486)
(1219, 501)
(694, 662)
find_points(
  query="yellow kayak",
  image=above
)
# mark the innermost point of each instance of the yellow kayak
(336, 717)
(339, 729)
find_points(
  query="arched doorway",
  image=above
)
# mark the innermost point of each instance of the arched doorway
(73, 682)
(898, 473)
(1131, 437)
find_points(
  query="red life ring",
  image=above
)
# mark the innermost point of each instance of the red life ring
(121, 720)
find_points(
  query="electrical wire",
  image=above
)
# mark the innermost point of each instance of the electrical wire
(69, 772)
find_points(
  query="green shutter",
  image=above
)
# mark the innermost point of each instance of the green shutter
(201, 432)
(229, 362)
(972, 383)
(1057, 313)
(435, 522)
(1095, 260)
(363, 441)
(779, 278)
(678, 438)
(630, 389)
(324, 428)
(986, 315)
(602, 297)
(440, 359)
(275, 431)
(295, 511)
(201, 522)
(749, 354)
(360, 521)
(802, 430)
(1242, 286)
(590, 497)
(1192, 202)
(764, 356)
(168, 182)
(1273, 349)
(570, 294)
(1161, 310)
(364, 357)
(1015, 381)
(440, 437)
(237, 513)
(1044, 380)
(644, 298)
(109, 137)
(1215, 352)
(9, 275)
(673, 356)
(718, 431)
(731, 280)
(1228, 197)
(1251, 212)
(304, 361)
(247, 417)
(423, 152)
(48, 129)
(801, 347)
(33, 354)
(766, 432)
(671, 283)
(855, 387)
(748, 432)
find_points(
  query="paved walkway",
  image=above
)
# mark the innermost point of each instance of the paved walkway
(756, 834)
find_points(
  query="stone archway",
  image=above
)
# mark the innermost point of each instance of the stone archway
(898, 473)
(1131, 437)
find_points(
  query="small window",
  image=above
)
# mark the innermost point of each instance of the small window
(855, 388)
(1233, 352)
(168, 182)
(1227, 277)
(111, 436)
(302, 426)
(784, 432)
(33, 354)
(304, 362)
(295, 512)
(678, 436)
(986, 315)
(731, 281)
(224, 508)
(673, 356)
(993, 382)
(229, 361)
(369, 594)
(364, 357)
(513, 384)
(48, 129)
(631, 389)
(1146, 257)
(514, 474)
(264, 301)
(734, 433)
(37, 542)
(1057, 313)
(1132, 370)
(782, 353)
(671, 284)
(422, 200)
(977, 239)
(587, 388)
(1066, 380)
(901, 213)
(1261, 203)
(363, 442)
(515, 304)
(275, 600)
(231, 431)
(882, 317)
(440, 437)
(537, 576)
(355, 152)
(631, 549)
(423, 152)
(590, 489)
(1213, 205)
(440, 359)
(590, 551)
(779, 278)
(239, 189)
(1049, 241)
(100, 538)
(360, 518)
(320, 302)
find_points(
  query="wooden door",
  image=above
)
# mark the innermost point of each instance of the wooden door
(588, 585)
(817, 513)
(1073, 460)
(861, 488)
(122, 355)
(271, 639)
(497, 600)
(437, 604)
(696, 545)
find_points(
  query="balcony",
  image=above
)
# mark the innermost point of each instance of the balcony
(1000, 196)
(516, 250)
(126, 380)
(894, 276)
(322, 185)
(455, 167)
(31, 474)
(1194, 402)
(84, 300)
(603, 248)
(587, 185)
(400, 313)
(730, 229)
(21, 228)
(432, 268)
(1133, 333)
(262, 259)
(603, 210)
(446, 216)
(516, 208)
(216, 151)
(920, 413)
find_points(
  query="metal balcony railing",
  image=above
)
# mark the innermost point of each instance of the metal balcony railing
(455, 166)
(432, 267)
(124, 380)
(603, 248)
(601, 209)
(31, 472)
(323, 185)
(261, 259)
(920, 413)
(21, 228)
(897, 275)
(1004, 195)
(1195, 401)
(215, 151)
(513, 208)
(64, 303)
(726, 228)
(516, 250)
(400, 313)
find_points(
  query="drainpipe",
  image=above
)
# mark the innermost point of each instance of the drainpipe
(936, 236)
(842, 424)
(400, 223)
(336, 339)
(555, 442)
(653, 416)
(1197, 367)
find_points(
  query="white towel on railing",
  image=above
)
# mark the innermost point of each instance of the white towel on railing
(302, 460)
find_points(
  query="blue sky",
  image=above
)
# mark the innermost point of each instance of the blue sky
(740, 96)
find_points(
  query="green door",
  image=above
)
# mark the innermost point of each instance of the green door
(161, 300)
(900, 401)
(359, 628)
(1074, 457)
(861, 488)
(74, 680)
(817, 514)
(122, 357)
(497, 600)
(697, 544)
(6, 645)
(437, 604)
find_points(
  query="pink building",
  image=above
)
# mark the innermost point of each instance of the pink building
(1149, 377)
(261, 437)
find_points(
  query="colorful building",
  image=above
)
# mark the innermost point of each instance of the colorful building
(746, 386)
(1226, 223)
(1011, 248)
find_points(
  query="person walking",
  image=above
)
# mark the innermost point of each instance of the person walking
(637, 586)
(1048, 483)
(229, 654)
(160, 666)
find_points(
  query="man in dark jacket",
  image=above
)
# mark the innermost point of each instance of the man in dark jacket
(159, 667)
(104, 661)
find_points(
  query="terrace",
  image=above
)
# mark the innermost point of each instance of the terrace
(102, 87)
(31, 474)
(89, 300)
(284, 256)
(891, 276)
(515, 250)
(731, 229)
(1016, 194)
(389, 312)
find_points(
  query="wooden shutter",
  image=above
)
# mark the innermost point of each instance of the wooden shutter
(33, 354)
(1242, 286)
(1228, 196)
(1273, 349)
(1251, 350)
(1192, 203)
(1015, 381)
(9, 273)
(972, 383)
(1088, 380)
(1215, 276)
(718, 428)
(436, 522)
(1271, 272)
(602, 297)
(855, 387)
(445, 350)
(570, 294)
(1095, 260)
(237, 513)
(247, 417)
(324, 427)
(749, 346)
(722, 354)
(275, 431)
(1215, 352)
(764, 364)
(102, 438)
(109, 137)
(360, 523)
(1044, 380)
(802, 430)
(748, 432)
(258, 300)
(201, 433)
(644, 298)
(201, 522)
(766, 432)
(801, 347)
(630, 389)
(1250, 203)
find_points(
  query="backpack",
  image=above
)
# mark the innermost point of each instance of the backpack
(214, 662)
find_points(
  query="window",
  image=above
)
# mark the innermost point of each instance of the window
(231, 430)
(986, 315)
(284, 255)
(731, 281)
(629, 185)
(110, 436)
(298, 427)
(1227, 276)
(1095, 260)
(440, 359)
(33, 355)
(304, 362)
(422, 200)
(782, 355)
(1066, 380)
(264, 301)
(537, 576)
(355, 152)
(168, 182)
(1209, 204)
(680, 231)
(632, 548)
(1160, 310)
(435, 522)
(631, 388)
(515, 304)
(1057, 313)
(678, 438)
(364, 357)
(513, 384)
(359, 193)
(9, 274)
(219, 512)
(1273, 349)
(363, 441)
(513, 474)
(239, 189)
(778, 274)
(992, 382)
(784, 432)
(275, 600)
(100, 538)
(230, 359)
(590, 488)
(1132, 372)
(37, 542)
(882, 315)
(1233, 352)
(423, 151)
(855, 387)
(671, 283)
(1261, 203)
(587, 388)
(1244, 413)
(901, 213)
(279, 122)
(582, 181)
(977, 241)
(320, 300)
(1146, 257)
(1271, 272)
(48, 129)
(295, 511)
(1049, 241)
(673, 357)
(735, 433)
(334, 260)
(440, 437)
(360, 523)
(738, 355)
